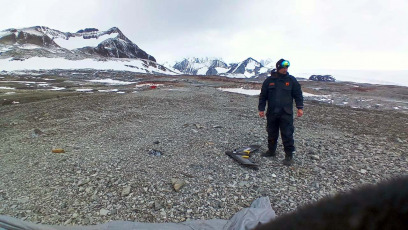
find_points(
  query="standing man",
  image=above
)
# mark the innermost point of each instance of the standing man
(279, 90)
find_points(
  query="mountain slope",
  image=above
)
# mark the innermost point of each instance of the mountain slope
(82, 44)
(40, 47)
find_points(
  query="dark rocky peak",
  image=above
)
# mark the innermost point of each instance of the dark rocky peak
(183, 64)
(249, 60)
(211, 71)
(218, 63)
(88, 30)
(186, 66)
(249, 65)
(119, 48)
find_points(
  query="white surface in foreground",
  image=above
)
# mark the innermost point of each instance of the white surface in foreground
(84, 90)
(113, 82)
(251, 92)
(147, 84)
(313, 95)
(254, 92)
(57, 88)
(108, 90)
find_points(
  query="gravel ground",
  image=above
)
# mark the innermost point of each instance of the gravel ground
(107, 173)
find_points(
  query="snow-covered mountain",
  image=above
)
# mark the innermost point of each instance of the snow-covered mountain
(91, 41)
(249, 68)
(201, 66)
(41, 47)
(87, 44)
(268, 63)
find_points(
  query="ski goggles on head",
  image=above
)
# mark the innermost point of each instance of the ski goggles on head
(285, 64)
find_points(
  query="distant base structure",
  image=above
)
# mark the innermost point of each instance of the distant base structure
(322, 78)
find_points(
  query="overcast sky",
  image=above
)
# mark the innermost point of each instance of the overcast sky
(312, 34)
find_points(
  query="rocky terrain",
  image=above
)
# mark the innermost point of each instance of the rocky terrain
(108, 172)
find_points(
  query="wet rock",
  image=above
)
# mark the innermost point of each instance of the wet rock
(155, 152)
(177, 184)
(157, 205)
(103, 212)
(83, 182)
(126, 191)
(37, 133)
(199, 126)
(315, 157)
(399, 140)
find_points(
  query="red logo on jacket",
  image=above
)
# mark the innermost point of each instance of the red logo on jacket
(287, 83)
(272, 83)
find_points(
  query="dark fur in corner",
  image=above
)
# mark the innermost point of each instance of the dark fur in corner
(382, 206)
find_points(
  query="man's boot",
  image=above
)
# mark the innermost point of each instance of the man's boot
(272, 146)
(269, 153)
(288, 161)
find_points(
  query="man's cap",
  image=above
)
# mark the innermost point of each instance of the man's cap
(282, 63)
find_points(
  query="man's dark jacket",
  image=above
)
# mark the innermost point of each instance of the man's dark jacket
(280, 90)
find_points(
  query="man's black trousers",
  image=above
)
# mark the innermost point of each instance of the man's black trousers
(283, 122)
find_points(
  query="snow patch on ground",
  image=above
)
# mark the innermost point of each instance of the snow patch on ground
(84, 90)
(113, 82)
(57, 88)
(143, 85)
(236, 75)
(37, 63)
(251, 92)
(314, 95)
(108, 90)
(26, 82)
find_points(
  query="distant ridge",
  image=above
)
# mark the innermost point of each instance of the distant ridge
(249, 68)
